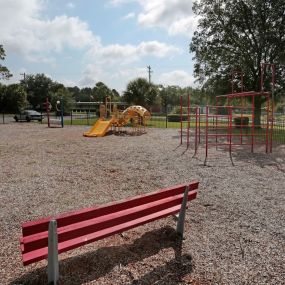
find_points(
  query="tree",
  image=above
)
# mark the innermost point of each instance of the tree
(101, 92)
(75, 91)
(13, 98)
(116, 96)
(140, 92)
(38, 88)
(66, 96)
(4, 71)
(239, 35)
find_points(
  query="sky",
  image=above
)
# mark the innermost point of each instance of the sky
(82, 42)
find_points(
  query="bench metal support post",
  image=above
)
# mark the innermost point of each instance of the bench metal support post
(53, 267)
(181, 218)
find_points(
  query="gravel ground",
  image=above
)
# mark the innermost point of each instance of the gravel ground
(234, 230)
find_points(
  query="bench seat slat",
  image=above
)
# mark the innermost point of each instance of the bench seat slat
(41, 225)
(72, 231)
(41, 254)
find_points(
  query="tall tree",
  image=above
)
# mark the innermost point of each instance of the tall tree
(13, 98)
(67, 99)
(140, 92)
(4, 71)
(38, 88)
(239, 34)
(101, 91)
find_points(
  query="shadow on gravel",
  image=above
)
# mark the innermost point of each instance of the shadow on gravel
(91, 266)
(261, 159)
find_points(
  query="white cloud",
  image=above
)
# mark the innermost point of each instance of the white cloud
(92, 74)
(113, 62)
(70, 5)
(176, 77)
(124, 54)
(175, 16)
(28, 34)
(119, 2)
(129, 16)
(114, 77)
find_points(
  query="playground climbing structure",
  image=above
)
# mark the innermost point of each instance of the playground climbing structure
(230, 123)
(136, 116)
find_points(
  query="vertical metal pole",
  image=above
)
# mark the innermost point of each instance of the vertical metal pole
(3, 117)
(206, 135)
(188, 119)
(71, 117)
(267, 123)
(166, 119)
(181, 219)
(47, 109)
(61, 112)
(199, 124)
(53, 267)
(181, 119)
(273, 103)
(231, 130)
(252, 123)
(196, 129)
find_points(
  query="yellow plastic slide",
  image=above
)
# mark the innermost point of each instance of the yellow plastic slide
(99, 129)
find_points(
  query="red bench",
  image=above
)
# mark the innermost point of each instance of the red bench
(46, 238)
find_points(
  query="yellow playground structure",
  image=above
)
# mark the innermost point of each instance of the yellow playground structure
(136, 115)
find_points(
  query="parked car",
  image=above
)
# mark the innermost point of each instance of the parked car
(28, 115)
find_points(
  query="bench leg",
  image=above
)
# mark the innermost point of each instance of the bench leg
(181, 218)
(53, 268)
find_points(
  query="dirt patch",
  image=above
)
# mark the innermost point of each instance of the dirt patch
(234, 229)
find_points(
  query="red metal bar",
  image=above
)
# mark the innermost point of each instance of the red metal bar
(230, 133)
(273, 103)
(199, 125)
(252, 124)
(206, 135)
(267, 124)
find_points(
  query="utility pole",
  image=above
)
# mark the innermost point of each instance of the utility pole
(149, 73)
(24, 74)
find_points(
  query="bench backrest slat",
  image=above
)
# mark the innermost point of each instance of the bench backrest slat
(89, 226)
(41, 225)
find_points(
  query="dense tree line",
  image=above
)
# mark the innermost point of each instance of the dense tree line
(239, 35)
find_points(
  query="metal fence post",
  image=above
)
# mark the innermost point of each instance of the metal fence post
(53, 267)
(166, 117)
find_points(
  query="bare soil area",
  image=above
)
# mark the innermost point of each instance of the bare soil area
(234, 230)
